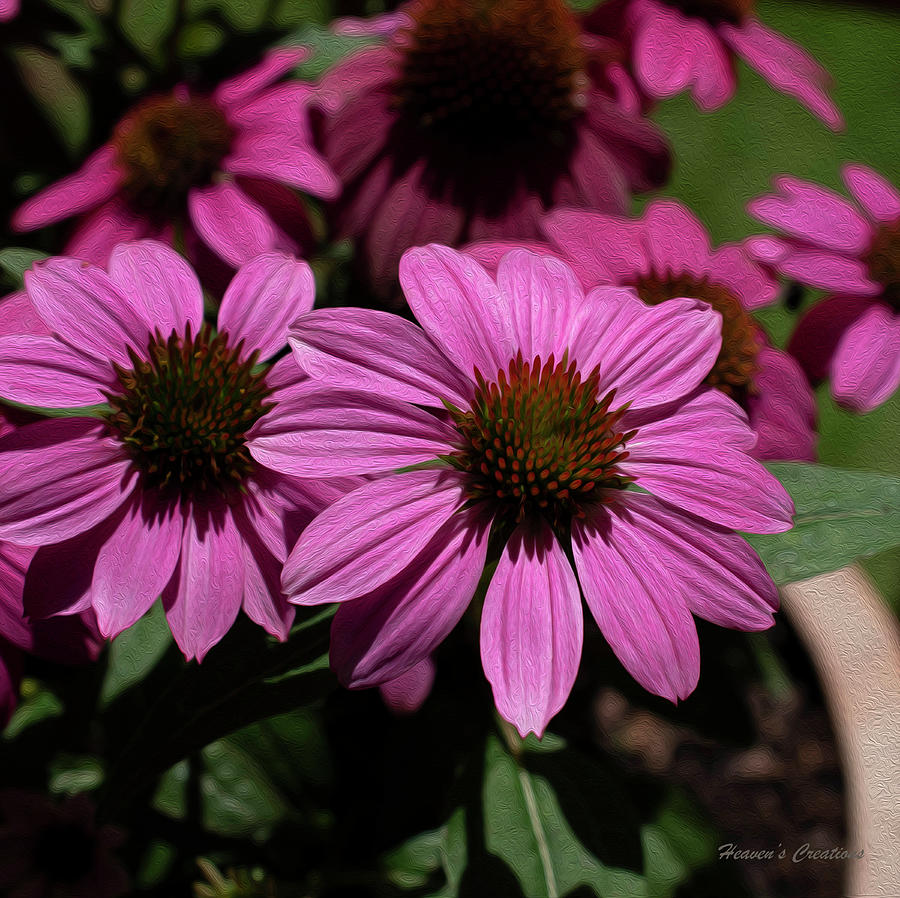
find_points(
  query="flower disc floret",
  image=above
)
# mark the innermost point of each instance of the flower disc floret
(183, 409)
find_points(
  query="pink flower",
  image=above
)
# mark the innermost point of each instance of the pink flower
(153, 489)
(853, 251)
(691, 44)
(218, 167)
(666, 254)
(9, 9)
(472, 120)
(550, 404)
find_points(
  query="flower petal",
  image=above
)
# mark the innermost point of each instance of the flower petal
(531, 630)
(873, 192)
(262, 300)
(732, 267)
(646, 624)
(114, 222)
(370, 536)
(408, 692)
(866, 365)
(676, 241)
(241, 88)
(19, 316)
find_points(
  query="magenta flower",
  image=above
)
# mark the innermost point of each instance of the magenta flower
(691, 44)
(157, 491)
(473, 119)
(853, 251)
(9, 9)
(551, 403)
(218, 167)
(666, 254)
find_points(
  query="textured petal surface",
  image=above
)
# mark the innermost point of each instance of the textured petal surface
(19, 316)
(866, 366)
(676, 241)
(408, 692)
(274, 65)
(267, 155)
(531, 630)
(874, 193)
(732, 267)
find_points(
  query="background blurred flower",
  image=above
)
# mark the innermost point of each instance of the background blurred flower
(852, 250)
(8, 9)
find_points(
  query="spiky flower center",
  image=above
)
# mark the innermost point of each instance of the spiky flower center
(737, 362)
(538, 441)
(485, 75)
(883, 260)
(166, 146)
(715, 11)
(182, 411)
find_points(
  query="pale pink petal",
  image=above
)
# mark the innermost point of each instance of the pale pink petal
(326, 431)
(531, 630)
(9, 9)
(19, 316)
(204, 595)
(459, 306)
(241, 88)
(649, 354)
(381, 635)
(135, 564)
(159, 284)
(676, 241)
(375, 26)
(370, 536)
(815, 215)
(786, 66)
(408, 692)
(488, 253)
(234, 225)
(629, 591)
(58, 478)
(371, 350)
(81, 304)
(866, 365)
(732, 267)
(268, 155)
(43, 372)
(262, 300)
(108, 225)
(873, 192)
(97, 180)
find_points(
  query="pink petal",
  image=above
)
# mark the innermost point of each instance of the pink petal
(241, 88)
(204, 595)
(375, 26)
(262, 300)
(380, 636)
(160, 285)
(542, 298)
(866, 366)
(281, 109)
(815, 215)
(268, 155)
(598, 178)
(9, 9)
(108, 225)
(873, 192)
(19, 316)
(459, 306)
(531, 630)
(97, 180)
(351, 148)
(376, 351)
(676, 241)
(14, 561)
(673, 52)
(370, 536)
(649, 354)
(135, 564)
(365, 70)
(731, 266)
(43, 372)
(330, 432)
(58, 478)
(488, 253)
(408, 692)
(81, 304)
(629, 592)
(234, 225)
(785, 66)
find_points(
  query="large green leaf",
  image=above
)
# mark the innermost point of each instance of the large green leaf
(840, 516)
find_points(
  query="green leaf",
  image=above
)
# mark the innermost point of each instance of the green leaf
(147, 24)
(16, 260)
(840, 516)
(71, 774)
(37, 704)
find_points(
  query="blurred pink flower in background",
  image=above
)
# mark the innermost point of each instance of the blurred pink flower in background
(203, 169)
(470, 122)
(9, 9)
(678, 45)
(553, 402)
(156, 493)
(853, 251)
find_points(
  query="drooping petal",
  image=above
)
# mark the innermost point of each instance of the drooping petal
(676, 241)
(159, 284)
(874, 193)
(241, 88)
(203, 597)
(646, 623)
(380, 636)
(97, 180)
(114, 222)
(19, 316)
(866, 365)
(58, 478)
(408, 692)
(370, 536)
(531, 630)
(14, 561)
(459, 307)
(371, 350)
(262, 300)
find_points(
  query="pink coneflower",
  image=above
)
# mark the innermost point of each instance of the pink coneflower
(853, 251)
(189, 166)
(473, 119)
(667, 253)
(552, 403)
(156, 492)
(691, 44)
